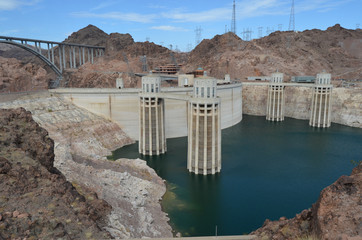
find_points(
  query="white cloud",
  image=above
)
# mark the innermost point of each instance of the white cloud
(128, 17)
(14, 4)
(9, 32)
(169, 28)
(205, 16)
(103, 5)
(155, 6)
(319, 5)
(249, 9)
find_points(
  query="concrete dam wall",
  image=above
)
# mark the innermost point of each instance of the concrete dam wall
(346, 103)
(122, 107)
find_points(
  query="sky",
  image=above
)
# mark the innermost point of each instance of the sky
(169, 22)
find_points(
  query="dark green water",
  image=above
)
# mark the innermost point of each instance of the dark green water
(269, 170)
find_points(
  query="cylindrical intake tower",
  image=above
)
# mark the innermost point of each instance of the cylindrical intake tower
(204, 128)
(275, 102)
(152, 140)
(320, 115)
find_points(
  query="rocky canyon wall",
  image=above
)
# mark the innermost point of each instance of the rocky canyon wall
(346, 103)
(81, 142)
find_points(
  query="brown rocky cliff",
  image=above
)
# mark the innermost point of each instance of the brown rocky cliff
(336, 50)
(36, 201)
(336, 215)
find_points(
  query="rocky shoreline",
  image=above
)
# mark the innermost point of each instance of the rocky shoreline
(337, 214)
(81, 140)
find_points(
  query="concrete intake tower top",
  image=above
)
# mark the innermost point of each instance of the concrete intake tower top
(205, 87)
(151, 84)
(277, 77)
(323, 78)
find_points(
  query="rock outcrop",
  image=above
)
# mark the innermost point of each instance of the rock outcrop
(336, 50)
(36, 201)
(16, 76)
(336, 215)
(82, 140)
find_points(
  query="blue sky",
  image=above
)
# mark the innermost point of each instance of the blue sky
(168, 21)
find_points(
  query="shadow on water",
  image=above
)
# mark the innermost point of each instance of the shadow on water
(269, 170)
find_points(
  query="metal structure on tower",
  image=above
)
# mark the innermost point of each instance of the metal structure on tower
(233, 20)
(292, 19)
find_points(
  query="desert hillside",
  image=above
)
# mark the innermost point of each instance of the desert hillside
(336, 50)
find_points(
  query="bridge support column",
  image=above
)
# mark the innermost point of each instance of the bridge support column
(70, 57)
(63, 51)
(275, 102)
(52, 53)
(74, 58)
(204, 129)
(60, 59)
(92, 55)
(320, 115)
(152, 140)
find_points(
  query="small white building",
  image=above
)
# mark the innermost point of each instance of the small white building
(185, 80)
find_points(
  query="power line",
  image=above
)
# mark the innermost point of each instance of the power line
(292, 18)
(233, 20)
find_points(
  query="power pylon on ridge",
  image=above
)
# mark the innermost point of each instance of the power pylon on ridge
(291, 18)
(260, 32)
(233, 20)
(280, 27)
(198, 31)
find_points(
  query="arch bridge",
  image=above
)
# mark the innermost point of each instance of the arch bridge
(57, 55)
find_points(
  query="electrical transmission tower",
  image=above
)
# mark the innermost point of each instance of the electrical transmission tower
(269, 30)
(247, 34)
(292, 19)
(144, 63)
(233, 21)
(280, 27)
(260, 32)
(357, 26)
(198, 31)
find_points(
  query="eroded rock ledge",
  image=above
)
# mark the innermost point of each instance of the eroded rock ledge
(81, 141)
(36, 201)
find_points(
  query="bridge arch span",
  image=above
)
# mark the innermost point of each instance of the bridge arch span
(40, 56)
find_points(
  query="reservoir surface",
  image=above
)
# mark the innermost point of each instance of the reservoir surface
(269, 170)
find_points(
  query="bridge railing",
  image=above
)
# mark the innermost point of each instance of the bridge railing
(59, 55)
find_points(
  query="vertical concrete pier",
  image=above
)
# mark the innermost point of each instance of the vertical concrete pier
(275, 102)
(320, 115)
(152, 140)
(204, 128)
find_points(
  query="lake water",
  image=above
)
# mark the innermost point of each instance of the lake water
(269, 170)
